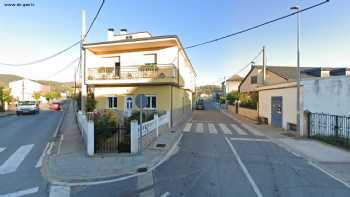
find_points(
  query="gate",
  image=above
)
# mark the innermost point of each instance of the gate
(276, 111)
(328, 125)
(112, 139)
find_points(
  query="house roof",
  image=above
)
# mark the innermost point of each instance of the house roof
(235, 78)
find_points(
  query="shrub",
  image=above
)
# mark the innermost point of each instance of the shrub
(248, 104)
(232, 97)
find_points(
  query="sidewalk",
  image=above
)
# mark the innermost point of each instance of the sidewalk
(71, 164)
(332, 159)
(7, 113)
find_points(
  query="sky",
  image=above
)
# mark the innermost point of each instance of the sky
(33, 32)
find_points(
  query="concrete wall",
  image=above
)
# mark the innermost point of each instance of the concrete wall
(328, 95)
(249, 113)
(289, 112)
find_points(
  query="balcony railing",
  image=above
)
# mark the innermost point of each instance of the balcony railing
(148, 71)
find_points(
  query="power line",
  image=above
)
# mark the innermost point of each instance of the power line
(256, 26)
(64, 68)
(62, 51)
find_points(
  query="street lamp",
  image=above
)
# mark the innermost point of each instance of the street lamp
(296, 9)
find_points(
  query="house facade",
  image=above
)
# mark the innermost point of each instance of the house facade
(231, 84)
(22, 90)
(127, 65)
(277, 94)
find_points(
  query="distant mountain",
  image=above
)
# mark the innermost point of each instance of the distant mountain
(57, 86)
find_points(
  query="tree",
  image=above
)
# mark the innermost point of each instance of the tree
(232, 97)
(90, 102)
(37, 95)
(52, 95)
(5, 97)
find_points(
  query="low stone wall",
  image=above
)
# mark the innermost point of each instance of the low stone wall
(231, 109)
(249, 113)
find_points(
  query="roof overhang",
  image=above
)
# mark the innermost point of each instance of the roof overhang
(123, 46)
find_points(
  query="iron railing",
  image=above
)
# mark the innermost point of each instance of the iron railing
(329, 125)
(112, 139)
(148, 71)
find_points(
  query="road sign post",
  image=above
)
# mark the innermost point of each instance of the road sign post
(141, 102)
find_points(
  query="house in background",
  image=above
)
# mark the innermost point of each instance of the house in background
(128, 64)
(23, 89)
(277, 93)
(231, 84)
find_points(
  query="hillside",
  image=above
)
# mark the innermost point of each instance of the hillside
(57, 86)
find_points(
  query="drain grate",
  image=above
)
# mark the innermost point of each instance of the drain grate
(144, 169)
(160, 145)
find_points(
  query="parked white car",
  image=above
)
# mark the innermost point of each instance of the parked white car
(26, 107)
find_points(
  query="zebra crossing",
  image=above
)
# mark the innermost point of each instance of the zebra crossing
(16, 159)
(12, 163)
(216, 128)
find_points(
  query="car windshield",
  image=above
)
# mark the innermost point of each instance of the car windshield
(26, 103)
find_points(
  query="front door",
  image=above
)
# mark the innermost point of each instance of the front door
(276, 111)
(128, 105)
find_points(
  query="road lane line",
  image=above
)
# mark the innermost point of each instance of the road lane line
(59, 145)
(250, 139)
(199, 128)
(252, 130)
(22, 193)
(187, 127)
(329, 174)
(166, 194)
(12, 163)
(224, 129)
(59, 191)
(212, 128)
(238, 130)
(244, 168)
(2, 149)
(50, 148)
(40, 161)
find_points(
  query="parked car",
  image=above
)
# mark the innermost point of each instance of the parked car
(200, 104)
(27, 107)
(56, 106)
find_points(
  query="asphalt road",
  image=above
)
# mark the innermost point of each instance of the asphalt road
(219, 157)
(23, 140)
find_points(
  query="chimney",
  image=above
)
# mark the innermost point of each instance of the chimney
(110, 34)
(123, 31)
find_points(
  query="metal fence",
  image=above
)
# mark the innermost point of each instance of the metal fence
(112, 139)
(329, 125)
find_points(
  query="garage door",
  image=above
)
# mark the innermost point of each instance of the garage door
(276, 111)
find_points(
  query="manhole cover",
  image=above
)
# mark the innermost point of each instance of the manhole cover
(144, 169)
(160, 145)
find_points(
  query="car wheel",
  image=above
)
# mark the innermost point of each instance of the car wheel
(17, 113)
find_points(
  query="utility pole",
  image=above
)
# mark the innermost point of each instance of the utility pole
(264, 65)
(296, 8)
(82, 62)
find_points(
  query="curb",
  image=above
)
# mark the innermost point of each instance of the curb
(6, 115)
(300, 154)
(132, 173)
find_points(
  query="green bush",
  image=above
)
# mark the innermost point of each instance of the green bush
(232, 97)
(251, 104)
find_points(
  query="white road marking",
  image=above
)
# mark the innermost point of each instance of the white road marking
(188, 127)
(12, 163)
(60, 144)
(166, 194)
(40, 161)
(238, 130)
(245, 170)
(59, 191)
(50, 148)
(250, 139)
(329, 174)
(145, 184)
(199, 128)
(224, 128)
(212, 128)
(252, 130)
(22, 193)
(2, 149)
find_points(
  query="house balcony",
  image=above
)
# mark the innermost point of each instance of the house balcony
(133, 75)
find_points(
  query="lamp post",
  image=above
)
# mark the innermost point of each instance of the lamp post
(296, 9)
